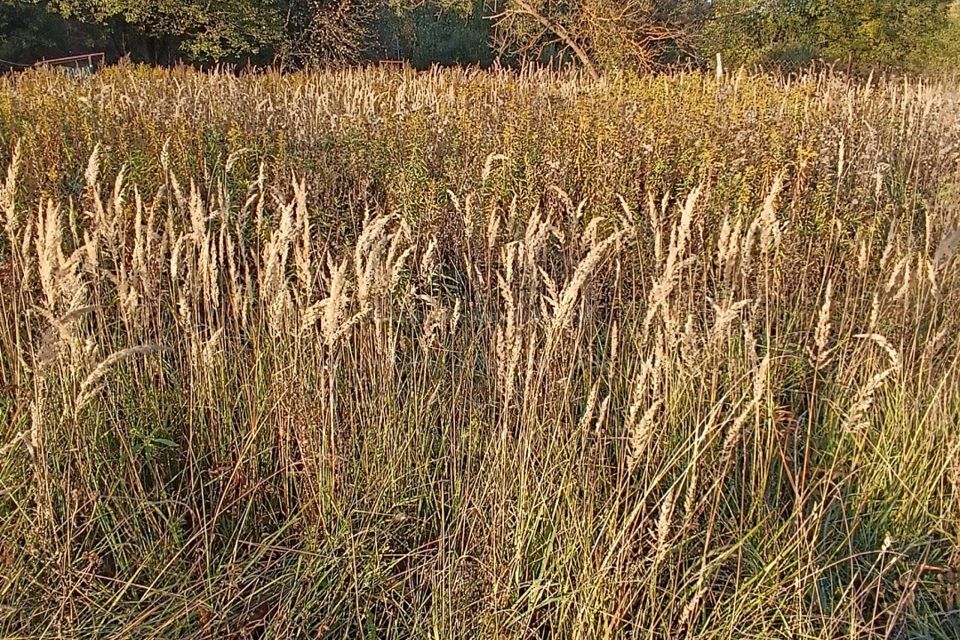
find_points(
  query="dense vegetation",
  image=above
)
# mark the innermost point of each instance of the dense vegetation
(916, 35)
(478, 355)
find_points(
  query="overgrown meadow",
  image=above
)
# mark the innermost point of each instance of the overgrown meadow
(469, 354)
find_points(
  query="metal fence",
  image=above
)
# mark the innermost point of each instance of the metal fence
(82, 64)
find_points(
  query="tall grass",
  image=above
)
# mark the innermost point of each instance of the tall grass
(376, 354)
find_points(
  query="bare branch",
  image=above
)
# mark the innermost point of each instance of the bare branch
(618, 33)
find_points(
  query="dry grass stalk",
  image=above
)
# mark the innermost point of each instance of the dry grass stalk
(664, 526)
(8, 194)
(663, 287)
(884, 344)
(342, 360)
(946, 249)
(735, 432)
(90, 386)
(640, 432)
(855, 419)
(570, 294)
(820, 353)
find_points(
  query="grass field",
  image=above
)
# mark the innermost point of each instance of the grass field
(461, 354)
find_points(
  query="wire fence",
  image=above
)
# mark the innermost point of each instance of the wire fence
(83, 63)
(14, 65)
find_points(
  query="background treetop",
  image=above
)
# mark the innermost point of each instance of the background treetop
(597, 34)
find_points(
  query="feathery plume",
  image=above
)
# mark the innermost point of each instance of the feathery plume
(90, 386)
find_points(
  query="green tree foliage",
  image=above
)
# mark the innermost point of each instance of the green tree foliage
(161, 31)
(939, 52)
(877, 31)
(28, 32)
(751, 31)
(889, 32)
(599, 34)
(435, 33)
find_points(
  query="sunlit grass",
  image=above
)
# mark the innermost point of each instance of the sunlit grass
(462, 354)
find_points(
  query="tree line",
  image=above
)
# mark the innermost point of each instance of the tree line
(597, 34)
